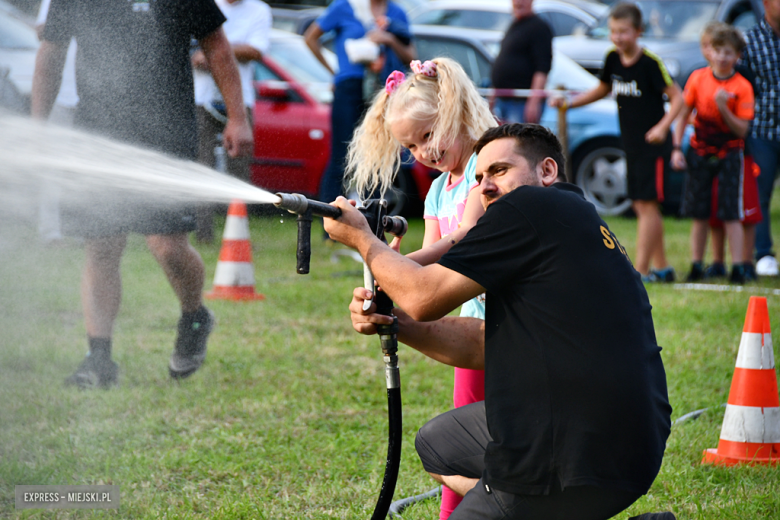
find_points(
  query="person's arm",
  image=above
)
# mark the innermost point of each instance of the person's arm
(736, 124)
(657, 134)
(426, 293)
(405, 53)
(598, 92)
(454, 341)
(533, 107)
(435, 249)
(678, 158)
(312, 39)
(47, 77)
(237, 135)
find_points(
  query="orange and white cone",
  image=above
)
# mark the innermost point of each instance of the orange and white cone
(234, 278)
(751, 426)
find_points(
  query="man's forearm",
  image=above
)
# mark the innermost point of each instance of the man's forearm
(245, 52)
(47, 78)
(454, 341)
(224, 70)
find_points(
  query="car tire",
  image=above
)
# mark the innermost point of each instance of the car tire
(600, 172)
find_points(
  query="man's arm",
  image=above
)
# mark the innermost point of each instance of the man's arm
(47, 77)
(219, 57)
(454, 341)
(425, 293)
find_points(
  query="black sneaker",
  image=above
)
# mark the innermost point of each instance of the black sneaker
(737, 274)
(190, 350)
(94, 372)
(655, 516)
(696, 274)
(715, 270)
(750, 272)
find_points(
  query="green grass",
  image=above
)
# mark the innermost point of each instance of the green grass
(287, 418)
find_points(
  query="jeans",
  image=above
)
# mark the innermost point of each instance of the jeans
(510, 110)
(347, 108)
(765, 154)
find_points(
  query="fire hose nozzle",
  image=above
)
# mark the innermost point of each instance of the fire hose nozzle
(300, 205)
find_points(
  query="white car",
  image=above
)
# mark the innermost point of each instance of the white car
(563, 17)
(18, 47)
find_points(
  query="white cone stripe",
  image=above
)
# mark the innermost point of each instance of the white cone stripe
(236, 228)
(751, 424)
(234, 274)
(752, 354)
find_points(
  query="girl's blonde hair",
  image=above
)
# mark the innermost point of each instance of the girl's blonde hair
(449, 99)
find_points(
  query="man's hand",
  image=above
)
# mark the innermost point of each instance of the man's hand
(533, 110)
(351, 227)
(657, 134)
(198, 60)
(365, 322)
(237, 138)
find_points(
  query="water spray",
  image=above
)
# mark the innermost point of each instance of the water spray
(375, 212)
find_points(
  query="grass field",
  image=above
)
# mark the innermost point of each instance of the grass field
(287, 418)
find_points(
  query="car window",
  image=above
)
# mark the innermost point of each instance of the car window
(681, 20)
(473, 18)
(263, 73)
(476, 67)
(745, 21)
(15, 34)
(294, 56)
(562, 24)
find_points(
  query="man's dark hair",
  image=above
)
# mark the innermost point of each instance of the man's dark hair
(627, 11)
(728, 35)
(533, 142)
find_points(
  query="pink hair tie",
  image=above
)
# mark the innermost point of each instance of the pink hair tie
(426, 69)
(394, 81)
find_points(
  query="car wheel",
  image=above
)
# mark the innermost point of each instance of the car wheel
(600, 171)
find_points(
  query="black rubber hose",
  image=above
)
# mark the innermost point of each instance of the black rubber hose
(395, 430)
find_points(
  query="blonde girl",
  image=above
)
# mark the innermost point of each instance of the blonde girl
(438, 115)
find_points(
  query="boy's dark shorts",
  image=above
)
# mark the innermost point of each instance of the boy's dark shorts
(121, 217)
(646, 172)
(702, 171)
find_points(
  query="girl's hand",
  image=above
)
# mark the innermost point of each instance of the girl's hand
(678, 160)
(395, 244)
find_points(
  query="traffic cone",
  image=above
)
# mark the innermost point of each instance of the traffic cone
(234, 278)
(751, 426)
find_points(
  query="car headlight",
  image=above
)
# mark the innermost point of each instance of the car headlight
(673, 66)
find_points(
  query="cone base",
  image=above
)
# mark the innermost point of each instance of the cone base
(711, 456)
(234, 294)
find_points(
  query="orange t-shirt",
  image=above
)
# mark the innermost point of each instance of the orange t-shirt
(712, 136)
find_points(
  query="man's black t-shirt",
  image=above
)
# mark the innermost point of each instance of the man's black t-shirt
(639, 90)
(133, 71)
(525, 50)
(575, 389)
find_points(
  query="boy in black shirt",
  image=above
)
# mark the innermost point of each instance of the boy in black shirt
(638, 80)
(576, 413)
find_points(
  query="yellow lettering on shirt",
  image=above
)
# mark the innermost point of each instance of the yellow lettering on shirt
(607, 238)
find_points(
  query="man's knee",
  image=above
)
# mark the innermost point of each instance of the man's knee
(168, 249)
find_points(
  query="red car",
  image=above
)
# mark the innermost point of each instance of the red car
(292, 127)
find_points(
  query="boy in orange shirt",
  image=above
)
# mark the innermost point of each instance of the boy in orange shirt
(723, 101)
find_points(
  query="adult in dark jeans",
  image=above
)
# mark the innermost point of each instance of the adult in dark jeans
(377, 25)
(523, 62)
(576, 414)
(762, 58)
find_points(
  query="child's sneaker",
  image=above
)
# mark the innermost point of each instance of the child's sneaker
(94, 372)
(767, 266)
(715, 270)
(190, 350)
(696, 274)
(665, 275)
(737, 274)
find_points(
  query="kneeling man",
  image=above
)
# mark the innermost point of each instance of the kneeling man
(576, 414)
